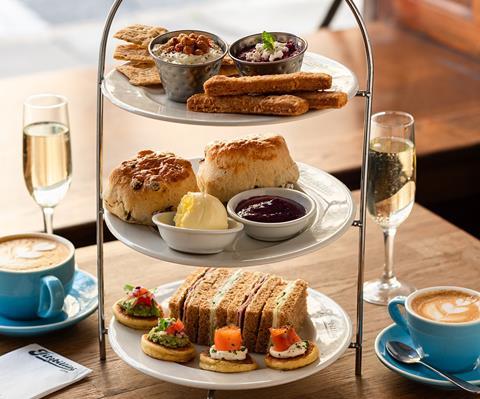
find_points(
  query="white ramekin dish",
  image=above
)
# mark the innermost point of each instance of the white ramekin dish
(195, 241)
(273, 231)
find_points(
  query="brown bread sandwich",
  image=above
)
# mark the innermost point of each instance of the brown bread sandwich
(212, 298)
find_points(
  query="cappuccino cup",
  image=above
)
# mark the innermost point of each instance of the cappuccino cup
(36, 273)
(444, 324)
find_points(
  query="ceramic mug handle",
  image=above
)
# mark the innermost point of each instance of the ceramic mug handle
(52, 296)
(395, 313)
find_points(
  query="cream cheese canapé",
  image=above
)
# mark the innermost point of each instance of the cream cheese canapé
(296, 349)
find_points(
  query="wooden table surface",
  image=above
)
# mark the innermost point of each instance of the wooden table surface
(429, 251)
(438, 86)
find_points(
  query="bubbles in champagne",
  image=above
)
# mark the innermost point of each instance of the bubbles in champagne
(47, 162)
(391, 180)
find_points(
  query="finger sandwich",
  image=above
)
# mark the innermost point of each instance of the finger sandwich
(213, 298)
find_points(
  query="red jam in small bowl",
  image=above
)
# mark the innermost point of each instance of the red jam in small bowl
(269, 209)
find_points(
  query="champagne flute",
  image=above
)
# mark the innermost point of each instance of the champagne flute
(47, 159)
(390, 193)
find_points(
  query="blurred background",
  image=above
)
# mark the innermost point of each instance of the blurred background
(60, 34)
(426, 63)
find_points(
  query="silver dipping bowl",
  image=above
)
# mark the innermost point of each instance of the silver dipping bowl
(287, 65)
(181, 81)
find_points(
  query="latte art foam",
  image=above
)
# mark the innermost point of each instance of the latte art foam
(448, 306)
(31, 254)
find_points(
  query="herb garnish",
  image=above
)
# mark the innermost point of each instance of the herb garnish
(128, 287)
(164, 323)
(268, 40)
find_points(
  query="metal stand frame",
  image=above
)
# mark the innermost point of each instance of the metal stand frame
(367, 94)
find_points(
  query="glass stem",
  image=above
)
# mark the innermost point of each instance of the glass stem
(48, 220)
(388, 239)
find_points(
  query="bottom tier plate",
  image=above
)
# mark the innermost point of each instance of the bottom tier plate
(328, 324)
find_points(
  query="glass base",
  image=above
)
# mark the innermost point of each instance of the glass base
(380, 291)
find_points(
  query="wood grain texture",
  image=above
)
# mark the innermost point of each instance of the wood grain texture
(440, 88)
(455, 23)
(429, 251)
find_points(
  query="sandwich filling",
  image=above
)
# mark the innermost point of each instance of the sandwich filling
(248, 299)
(191, 290)
(281, 300)
(218, 297)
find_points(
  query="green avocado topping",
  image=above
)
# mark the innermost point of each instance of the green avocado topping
(159, 336)
(141, 306)
(141, 310)
(165, 322)
(170, 341)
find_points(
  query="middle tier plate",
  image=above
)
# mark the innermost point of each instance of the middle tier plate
(334, 215)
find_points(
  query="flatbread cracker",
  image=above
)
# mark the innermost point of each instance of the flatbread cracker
(228, 70)
(139, 34)
(227, 60)
(219, 85)
(323, 99)
(133, 52)
(140, 74)
(244, 104)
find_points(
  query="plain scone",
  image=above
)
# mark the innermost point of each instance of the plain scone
(151, 182)
(231, 167)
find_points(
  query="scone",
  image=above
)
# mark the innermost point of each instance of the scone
(149, 183)
(289, 351)
(227, 355)
(138, 310)
(168, 341)
(231, 167)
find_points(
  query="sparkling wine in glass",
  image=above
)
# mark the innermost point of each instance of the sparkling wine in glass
(390, 193)
(47, 156)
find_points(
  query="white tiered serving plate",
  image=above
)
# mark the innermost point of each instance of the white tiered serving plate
(334, 215)
(153, 102)
(328, 325)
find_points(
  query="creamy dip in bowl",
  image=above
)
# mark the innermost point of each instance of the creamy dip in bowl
(185, 60)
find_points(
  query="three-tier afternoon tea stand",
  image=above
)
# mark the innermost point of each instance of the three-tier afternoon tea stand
(366, 94)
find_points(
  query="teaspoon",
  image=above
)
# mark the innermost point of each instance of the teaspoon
(406, 354)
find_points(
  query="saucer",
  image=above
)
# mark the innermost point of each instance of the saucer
(415, 372)
(80, 303)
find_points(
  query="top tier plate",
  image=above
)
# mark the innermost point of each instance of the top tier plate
(153, 103)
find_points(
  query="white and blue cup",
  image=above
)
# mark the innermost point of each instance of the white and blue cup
(453, 347)
(33, 294)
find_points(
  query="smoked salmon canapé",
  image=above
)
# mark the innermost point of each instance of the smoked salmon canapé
(227, 354)
(288, 351)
